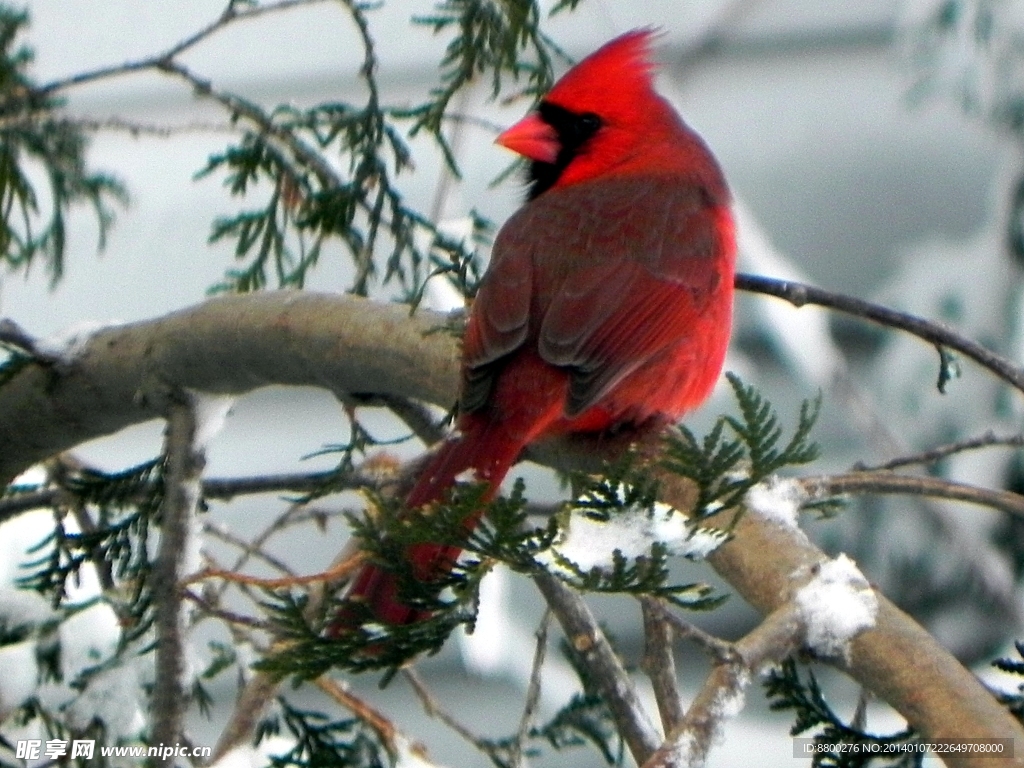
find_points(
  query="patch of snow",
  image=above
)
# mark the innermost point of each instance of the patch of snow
(835, 606)
(211, 413)
(730, 701)
(193, 559)
(700, 543)
(88, 638)
(685, 753)
(779, 500)
(19, 681)
(591, 543)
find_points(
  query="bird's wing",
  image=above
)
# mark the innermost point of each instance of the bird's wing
(605, 275)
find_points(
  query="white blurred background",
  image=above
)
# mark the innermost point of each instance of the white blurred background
(862, 161)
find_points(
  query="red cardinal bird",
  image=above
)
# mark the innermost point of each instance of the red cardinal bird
(608, 300)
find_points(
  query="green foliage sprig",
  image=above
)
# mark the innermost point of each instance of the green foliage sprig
(787, 690)
(499, 39)
(322, 742)
(123, 504)
(33, 223)
(724, 468)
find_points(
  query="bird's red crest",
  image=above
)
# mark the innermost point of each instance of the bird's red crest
(623, 64)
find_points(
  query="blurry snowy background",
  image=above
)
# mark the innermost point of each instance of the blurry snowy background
(873, 150)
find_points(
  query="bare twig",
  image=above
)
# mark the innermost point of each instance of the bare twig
(231, 617)
(723, 692)
(611, 678)
(988, 440)
(659, 664)
(44, 119)
(532, 691)
(890, 483)
(720, 651)
(222, 489)
(939, 334)
(230, 14)
(251, 112)
(334, 573)
(184, 464)
(378, 721)
(249, 550)
(434, 708)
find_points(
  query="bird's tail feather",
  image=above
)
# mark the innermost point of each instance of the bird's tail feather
(489, 451)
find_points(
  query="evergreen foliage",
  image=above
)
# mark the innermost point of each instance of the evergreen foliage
(787, 690)
(34, 220)
(321, 742)
(724, 468)
(119, 508)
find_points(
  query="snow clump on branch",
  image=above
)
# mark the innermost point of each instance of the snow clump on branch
(588, 542)
(835, 606)
(778, 499)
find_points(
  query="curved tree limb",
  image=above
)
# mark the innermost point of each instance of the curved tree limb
(226, 345)
(939, 334)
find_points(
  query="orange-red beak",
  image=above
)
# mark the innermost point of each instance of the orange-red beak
(532, 138)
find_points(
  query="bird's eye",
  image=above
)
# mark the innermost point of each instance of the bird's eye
(587, 124)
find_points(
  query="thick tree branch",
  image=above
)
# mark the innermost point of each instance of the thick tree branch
(227, 345)
(897, 659)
